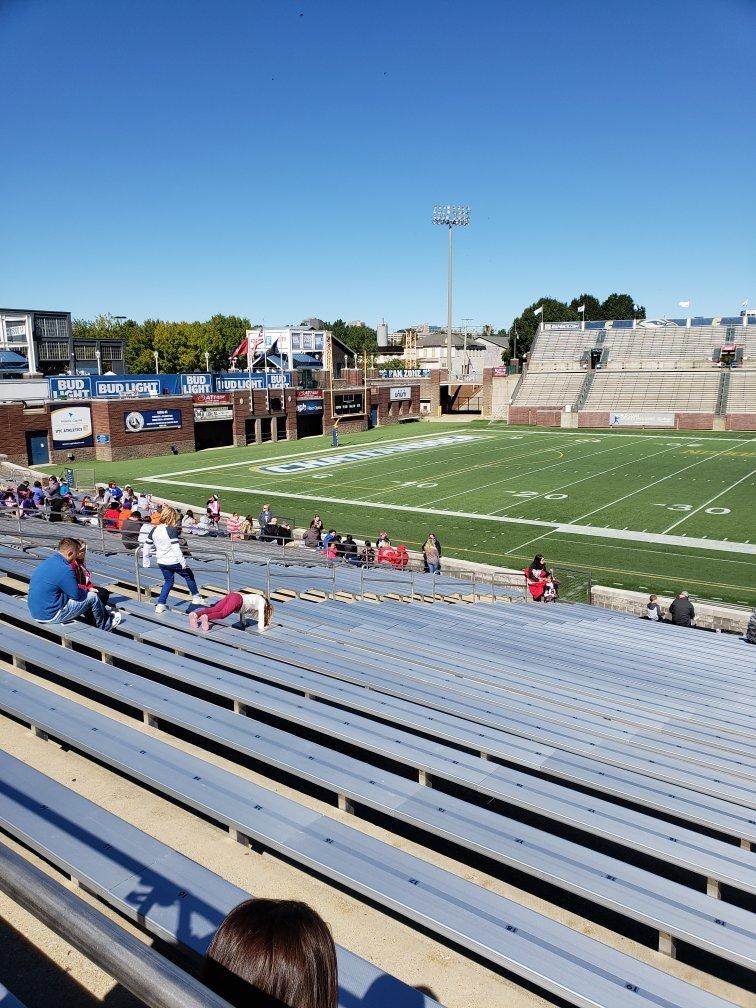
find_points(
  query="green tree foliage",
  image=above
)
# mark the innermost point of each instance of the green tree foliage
(616, 306)
(360, 339)
(181, 346)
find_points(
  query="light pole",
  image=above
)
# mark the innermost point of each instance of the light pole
(156, 355)
(207, 361)
(98, 355)
(450, 216)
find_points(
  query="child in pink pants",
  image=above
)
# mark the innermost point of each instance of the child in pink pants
(245, 604)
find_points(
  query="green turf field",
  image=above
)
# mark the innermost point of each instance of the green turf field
(499, 494)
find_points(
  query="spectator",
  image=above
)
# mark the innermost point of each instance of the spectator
(214, 511)
(270, 953)
(367, 554)
(130, 530)
(682, 611)
(233, 526)
(331, 549)
(164, 538)
(84, 576)
(245, 603)
(317, 524)
(338, 547)
(248, 528)
(285, 534)
(55, 596)
(432, 555)
(535, 578)
(549, 589)
(129, 497)
(269, 531)
(382, 540)
(265, 516)
(750, 634)
(38, 495)
(112, 493)
(349, 550)
(310, 538)
(111, 517)
(653, 610)
(328, 539)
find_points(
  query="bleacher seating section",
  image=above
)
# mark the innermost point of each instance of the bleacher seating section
(668, 365)
(598, 739)
(678, 391)
(741, 396)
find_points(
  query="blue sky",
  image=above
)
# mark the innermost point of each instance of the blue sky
(281, 159)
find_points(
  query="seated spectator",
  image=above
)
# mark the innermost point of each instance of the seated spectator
(550, 593)
(38, 495)
(233, 526)
(269, 532)
(265, 516)
(317, 524)
(55, 596)
(432, 555)
(331, 550)
(681, 610)
(349, 550)
(338, 547)
(273, 954)
(402, 557)
(653, 610)
(310, 538)
(328, 539)
(245, 603)
(111, 517)
(382, 540)
(535, 578)
(285, 533)
(129, 497)
(248, 528)
(395, 556)
(84, 576)
(130, 530)
(367, 554)
(113, 493)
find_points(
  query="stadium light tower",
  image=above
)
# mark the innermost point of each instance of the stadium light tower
(450, 217)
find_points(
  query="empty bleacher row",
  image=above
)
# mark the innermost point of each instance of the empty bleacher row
(741, 395)
(676, 391)
(613, 734)
(560, 350)
(541, 388)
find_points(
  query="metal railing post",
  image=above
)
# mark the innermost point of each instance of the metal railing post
(433, 585)
(137, 575)
(333, 589)
(362, 582)
(412, 585)
(590, 589)
(228, 574)
(475, 598)
(267, 578)
(102, 529)
(18, 519)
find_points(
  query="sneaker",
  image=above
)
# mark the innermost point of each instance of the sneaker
(193, 620)
(160, 607)
(117, 620)
(204, 624)
(197, 600)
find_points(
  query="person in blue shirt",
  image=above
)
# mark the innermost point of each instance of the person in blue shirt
(56, 597)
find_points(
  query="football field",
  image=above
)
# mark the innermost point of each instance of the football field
(653, 511)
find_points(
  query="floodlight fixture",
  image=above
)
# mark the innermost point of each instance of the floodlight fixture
(451, 216)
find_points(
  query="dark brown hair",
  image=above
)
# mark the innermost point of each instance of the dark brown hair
(273, 953)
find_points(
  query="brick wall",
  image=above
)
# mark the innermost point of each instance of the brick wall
(15, 422)
(108, 419)
(694, 421)
(593, 419)
(741, 421)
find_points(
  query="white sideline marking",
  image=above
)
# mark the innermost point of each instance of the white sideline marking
(590, 530)
(711, 501)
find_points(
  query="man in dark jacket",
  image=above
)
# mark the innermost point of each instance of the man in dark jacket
(681, 610)
(130, 530)
(56, 597)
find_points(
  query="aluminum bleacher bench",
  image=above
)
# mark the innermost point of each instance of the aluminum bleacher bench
(714, 860)
(7, 1000)
(564, 962)
(672, 909)
(706, 810)
(173, 898)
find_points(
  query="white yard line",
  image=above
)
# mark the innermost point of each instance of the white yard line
(711, 500)
(588, 530)
(648, 486)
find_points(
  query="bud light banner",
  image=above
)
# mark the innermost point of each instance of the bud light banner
(244, 381)
(196, 384)
(73, 387)
(132, 386)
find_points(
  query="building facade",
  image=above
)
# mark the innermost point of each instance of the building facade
(45, 340)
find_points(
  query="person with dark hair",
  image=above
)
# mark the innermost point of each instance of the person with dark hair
(367, 554)
(55, 596)
(273, 954)
(653, 610)
(535, 577)
(349, 550)
(130, 530)
(317, 525)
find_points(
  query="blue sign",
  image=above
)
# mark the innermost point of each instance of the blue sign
(136, 421)
(407, 373)
(130, 386)
(243, 381)
(71, 387)
(196, 384)
(102, 438)
(310, 406)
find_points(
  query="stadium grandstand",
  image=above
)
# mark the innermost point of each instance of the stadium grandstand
(699, 365)
(554, 801)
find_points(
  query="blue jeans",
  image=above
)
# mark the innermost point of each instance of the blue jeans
(434, 568)
(169, 573)
(75, 610)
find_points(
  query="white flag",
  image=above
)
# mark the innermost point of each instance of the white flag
(744, 304)
(581, 308)
(538, 311)
(684, 304)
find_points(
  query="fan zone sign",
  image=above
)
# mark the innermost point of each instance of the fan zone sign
(328, 461)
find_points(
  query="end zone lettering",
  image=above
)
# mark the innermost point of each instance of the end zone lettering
(367, 453)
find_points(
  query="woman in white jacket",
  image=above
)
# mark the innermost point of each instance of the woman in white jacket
(164, 539)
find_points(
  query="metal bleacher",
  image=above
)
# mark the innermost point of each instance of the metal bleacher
(562, 714)
(679, 391)
(741, 395)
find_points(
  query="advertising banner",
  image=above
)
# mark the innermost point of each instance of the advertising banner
(499, 372)
(561, 325)
(71, 427)
(242, 381)
(310, 406)
(120, 386)
(205, 413)
(74, 387)
(310, 394)
(136, 421)
(347, 403)
(195, 384)
(399, 393)
(641, 419)
(411, 373)
(212, 398)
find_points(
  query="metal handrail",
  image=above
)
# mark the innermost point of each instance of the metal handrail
(329, 567)
(374, 568)
(137, 967)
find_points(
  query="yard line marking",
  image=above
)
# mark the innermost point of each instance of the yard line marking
(711, 501)
(649, 485)
(602, 533)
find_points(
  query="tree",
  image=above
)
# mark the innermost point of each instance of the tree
(527, 323)
(621, 306)
(593, 308)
